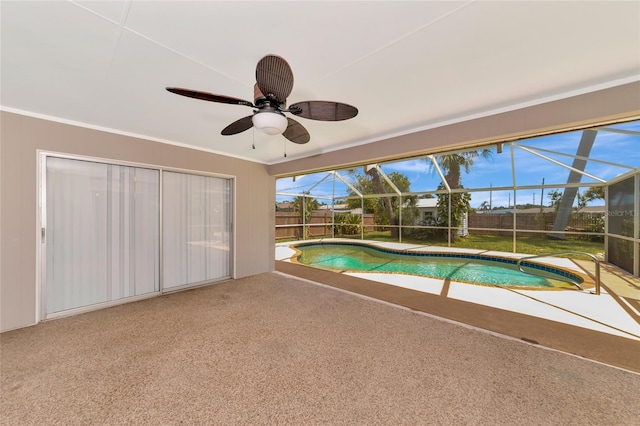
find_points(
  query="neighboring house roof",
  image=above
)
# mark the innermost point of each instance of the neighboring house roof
(427, 203)
(284, 205)
(339, 208)
(335, 207)
(588, 209)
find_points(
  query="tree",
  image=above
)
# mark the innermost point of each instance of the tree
(555, 196)
(459, 206)
(451, 166)
(484, 206)
(380, 189)
(385, 208)
(592, 193)
(596, 222)
(566, 203)
(305, 206)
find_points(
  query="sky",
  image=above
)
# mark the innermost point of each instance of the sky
(612, 149)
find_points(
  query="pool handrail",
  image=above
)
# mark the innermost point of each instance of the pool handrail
(595, 260)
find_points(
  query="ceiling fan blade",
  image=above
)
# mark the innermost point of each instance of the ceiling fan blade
(209, 96)
(238, 126)
(324, 110)
(296, 132)
(274, 77)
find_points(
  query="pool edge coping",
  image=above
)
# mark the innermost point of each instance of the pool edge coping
(587, 283)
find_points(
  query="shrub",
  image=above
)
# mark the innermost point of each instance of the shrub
(428, 233)
(347, 224)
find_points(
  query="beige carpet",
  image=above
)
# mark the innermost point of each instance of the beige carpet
(272, 349)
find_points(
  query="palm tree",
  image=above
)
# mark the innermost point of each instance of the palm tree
(569, 195)
(451, 166)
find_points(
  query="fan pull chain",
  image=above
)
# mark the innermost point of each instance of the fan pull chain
(253, 138)
(285, 148)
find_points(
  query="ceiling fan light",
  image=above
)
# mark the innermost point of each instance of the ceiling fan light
(270, 123)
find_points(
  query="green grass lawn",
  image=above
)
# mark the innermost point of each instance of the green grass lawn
(527, 245)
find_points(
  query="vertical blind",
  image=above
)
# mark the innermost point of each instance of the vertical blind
(196, 221)
(102, 233)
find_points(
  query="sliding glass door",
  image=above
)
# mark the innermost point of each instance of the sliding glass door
(107, 234)
(196, 224)
(101, 233)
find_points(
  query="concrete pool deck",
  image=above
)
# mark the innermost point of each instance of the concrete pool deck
(574, 321)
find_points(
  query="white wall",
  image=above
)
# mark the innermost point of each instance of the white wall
(20, 139)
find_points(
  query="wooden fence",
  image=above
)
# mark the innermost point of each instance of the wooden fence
(320, 224)
(578, 222)
(289, 224)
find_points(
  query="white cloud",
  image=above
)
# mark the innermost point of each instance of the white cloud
(409, 166)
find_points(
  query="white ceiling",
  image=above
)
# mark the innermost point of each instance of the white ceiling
(407, 66)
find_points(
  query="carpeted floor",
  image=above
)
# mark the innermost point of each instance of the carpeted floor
(273, 349)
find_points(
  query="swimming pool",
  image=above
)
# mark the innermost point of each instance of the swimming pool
(460, 267)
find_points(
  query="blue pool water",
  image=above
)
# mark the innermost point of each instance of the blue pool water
(354, 257)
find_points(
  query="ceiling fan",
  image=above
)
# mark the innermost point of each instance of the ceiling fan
(274, 82)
